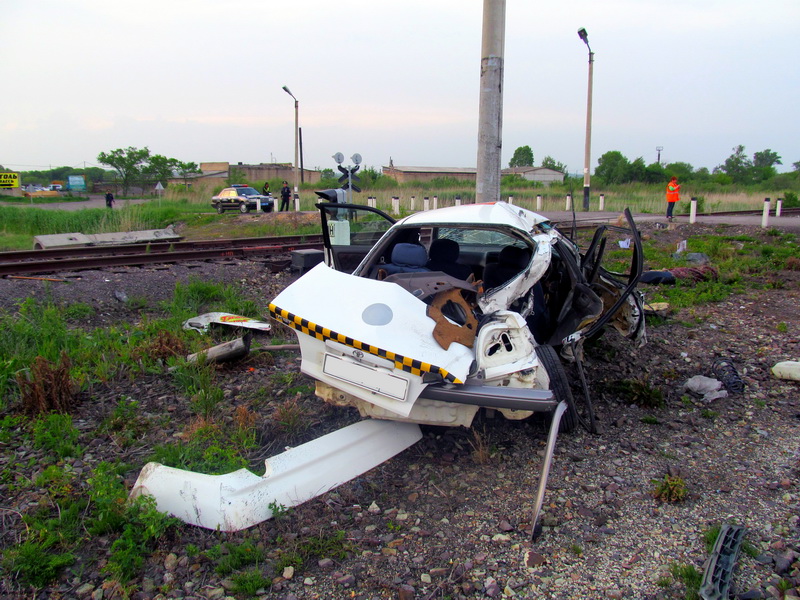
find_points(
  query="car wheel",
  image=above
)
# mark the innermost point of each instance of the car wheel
(270, 208)
(220, 209)
(559, 384)
(243, 208)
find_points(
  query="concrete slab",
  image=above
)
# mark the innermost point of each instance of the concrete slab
(65, 240)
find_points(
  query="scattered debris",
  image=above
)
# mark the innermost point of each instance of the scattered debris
(707, 387)
(719, 568)
(231, 350)
(660, 309)
(38, 278)
(788, 369)
(726, 372)
(670, 276)
(201, 323)
(121, 296)
(241, 499)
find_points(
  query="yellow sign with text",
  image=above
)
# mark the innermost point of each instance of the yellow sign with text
(9, 180)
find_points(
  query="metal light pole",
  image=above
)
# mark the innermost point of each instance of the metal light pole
(296, 138)
(588, 150)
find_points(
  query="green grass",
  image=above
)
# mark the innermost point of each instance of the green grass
(737, 260)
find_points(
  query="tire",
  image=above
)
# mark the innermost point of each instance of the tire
(270, 208)
(243, 208)
(220, 209)
(559, 384)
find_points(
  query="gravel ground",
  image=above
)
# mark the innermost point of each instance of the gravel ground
(443, 520)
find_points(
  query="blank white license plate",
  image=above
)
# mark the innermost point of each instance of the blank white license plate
(366, 377)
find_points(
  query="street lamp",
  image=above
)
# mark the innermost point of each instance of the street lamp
(296, 137)
(588, 150)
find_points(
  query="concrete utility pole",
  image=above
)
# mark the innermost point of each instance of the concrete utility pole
(490, 125)
(588, 149)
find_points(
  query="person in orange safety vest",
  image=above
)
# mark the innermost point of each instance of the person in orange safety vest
(673, 195)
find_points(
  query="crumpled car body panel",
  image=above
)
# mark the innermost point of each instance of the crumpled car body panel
(377, 342)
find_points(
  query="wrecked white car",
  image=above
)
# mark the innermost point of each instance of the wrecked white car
(430, 318)
(424, 321)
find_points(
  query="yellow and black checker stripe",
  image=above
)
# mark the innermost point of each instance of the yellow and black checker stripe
(410, 365)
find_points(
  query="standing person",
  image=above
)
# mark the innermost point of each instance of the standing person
(265, 189)
(109, 200)
(673, 195)
(286, 194)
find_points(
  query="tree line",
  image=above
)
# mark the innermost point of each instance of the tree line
(129, 167)
(614, 168)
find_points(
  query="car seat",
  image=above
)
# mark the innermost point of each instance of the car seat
(510, 262)
(407, 258)
(444, 256)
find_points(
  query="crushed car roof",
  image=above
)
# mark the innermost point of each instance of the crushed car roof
(494, 213)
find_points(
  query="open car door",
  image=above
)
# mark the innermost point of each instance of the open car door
(349, 232)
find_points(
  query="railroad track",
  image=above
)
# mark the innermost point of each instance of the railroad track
(33, 262)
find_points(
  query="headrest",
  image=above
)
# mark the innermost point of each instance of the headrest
(513, 256)
(411, 255)
(444, 250)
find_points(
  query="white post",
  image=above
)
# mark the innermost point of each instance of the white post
(426, 203)
(778, 207)
(765, 214)
(568, 205)
(296, 202)
(602, 205)
(458, 200)
(395, 205)
(511, 200)
(413, 204)
(539, 202)
(693, 211)
(435, 202)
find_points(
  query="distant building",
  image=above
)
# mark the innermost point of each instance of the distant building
(426, 174)
(214, 174)
(540, 174)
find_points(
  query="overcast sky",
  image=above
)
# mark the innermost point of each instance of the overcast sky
(200, 80)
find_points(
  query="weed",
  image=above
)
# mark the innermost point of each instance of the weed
(669, 489)
(664, 581)
(283, 379)
(480, 447)
(47, 386)
(710, 536)
(244, 432)
(249, 582)
(143, 525)
(10, 426)
(58, 481)
(239, 556)
(639, 392)
(709, 414)
(108, 497)
(650, 420)
(291, 417)
(393, 527)
(36, 562)
(164, 345)
(55, 433)
(576, 549)
(279, 511)
(782, 327)
(332, 546)
(78, 311)
(125, 423)
(690, 577)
